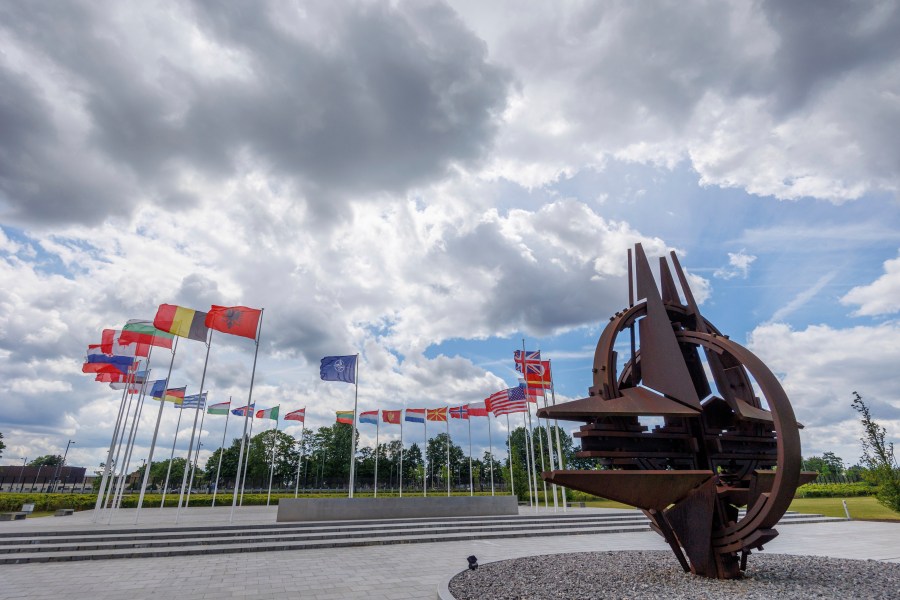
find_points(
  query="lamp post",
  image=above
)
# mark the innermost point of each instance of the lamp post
(22, 472)
(62, 464)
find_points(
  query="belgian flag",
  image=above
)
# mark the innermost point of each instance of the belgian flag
(183, 322)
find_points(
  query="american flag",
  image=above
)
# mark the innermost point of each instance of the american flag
(525, 358)
(507, 401)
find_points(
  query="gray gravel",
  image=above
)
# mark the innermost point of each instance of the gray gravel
(656, 574)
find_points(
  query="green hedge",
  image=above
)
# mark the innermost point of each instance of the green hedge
(836, 490)
(47, 502)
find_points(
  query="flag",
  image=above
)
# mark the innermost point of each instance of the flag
(338, 368)
(436, 414)
(138, 331)
(242, 410)
(175, 395)
(219, 409)
(523, 358)
(478, 409)
(459, 412)
(415, 415)
(109, 344)
(391, 416)
(532, 393)
(345, 416)
(183, 322)
(102, 363)
(538, 374)
(297, 415)
(507, 401)
(370, 416)
(119, 377)
(268, 413)
(194, 401)
(236, 320)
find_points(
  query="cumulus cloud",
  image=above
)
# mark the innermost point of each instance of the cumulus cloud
(881, 297)
(820, 367)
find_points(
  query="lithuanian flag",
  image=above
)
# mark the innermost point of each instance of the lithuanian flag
(183, 322)
(345, 416)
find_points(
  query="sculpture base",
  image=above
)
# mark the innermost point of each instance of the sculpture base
(351, 509)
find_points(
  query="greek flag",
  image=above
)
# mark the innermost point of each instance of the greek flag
(194, 400)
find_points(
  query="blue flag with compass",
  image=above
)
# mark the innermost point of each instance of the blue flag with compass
(338, 368)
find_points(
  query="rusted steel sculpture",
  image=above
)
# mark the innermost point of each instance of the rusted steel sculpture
(716, 446)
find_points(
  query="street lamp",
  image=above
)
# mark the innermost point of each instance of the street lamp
(22, 472)
(62, 464)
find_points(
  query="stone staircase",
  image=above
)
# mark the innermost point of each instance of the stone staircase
(132, 542)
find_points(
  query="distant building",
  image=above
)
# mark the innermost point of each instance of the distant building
(41, 479)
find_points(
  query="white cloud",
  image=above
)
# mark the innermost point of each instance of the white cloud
(881, 297)
(738, 265)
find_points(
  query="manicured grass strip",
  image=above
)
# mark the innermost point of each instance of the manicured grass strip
(861, 508)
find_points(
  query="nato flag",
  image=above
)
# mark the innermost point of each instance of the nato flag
(338, 368)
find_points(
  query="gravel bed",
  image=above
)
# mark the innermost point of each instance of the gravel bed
(656, 574)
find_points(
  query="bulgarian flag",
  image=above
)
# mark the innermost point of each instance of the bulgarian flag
(183, 322)
(219, 409)
(345, 416)
(268, 413)
(139, 331)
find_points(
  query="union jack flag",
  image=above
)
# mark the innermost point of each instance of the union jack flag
(526, 357)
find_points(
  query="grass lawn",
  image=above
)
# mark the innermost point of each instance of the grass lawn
(601, 503)
(861, 508)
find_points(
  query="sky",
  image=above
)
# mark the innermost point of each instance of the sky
(427, 184)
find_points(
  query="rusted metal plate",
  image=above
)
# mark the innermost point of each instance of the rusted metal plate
(636, 402)
(643, 489)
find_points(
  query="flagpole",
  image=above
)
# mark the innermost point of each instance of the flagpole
(190, 451)
(247, 459)
(559, 453)
(471, 489)
(549, 453)
(221, 452)
(302, 452)
(541, 444)
(172, 454)
(353, 434)
(448, 453)
(106, 467)
(110, 493)
(402, 415)
(528, 440)
(377, 428)
(272, 466)
(240, 458)
(425, 461)
(187, 500)
(162, 403)
(531, 492)
(512, 481)
(129, 446)
(491, 451)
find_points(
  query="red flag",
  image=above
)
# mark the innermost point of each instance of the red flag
(478, 409)
(236, 320)
(297, 415)
(391, 416)
(436, 414)
(538, 375)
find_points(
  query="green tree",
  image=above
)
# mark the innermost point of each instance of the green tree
(413, 466)
(158, 472)
(878, 457)
(2, 445)
(47, 460)
(436, 453)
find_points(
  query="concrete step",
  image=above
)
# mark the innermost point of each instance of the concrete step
(184, 549)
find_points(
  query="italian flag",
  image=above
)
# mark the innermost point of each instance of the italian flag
(268, 413)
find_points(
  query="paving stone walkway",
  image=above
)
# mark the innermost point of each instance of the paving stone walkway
(378, 572)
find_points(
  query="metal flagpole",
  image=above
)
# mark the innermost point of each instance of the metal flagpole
(106, 467)
(491, 451)
(559, 453)
(353, 434)
(448, 454)
(302, 452)
(113, 484)
(377, 427)
(129, 446)
(549, 452)
(190, 451)
(425, 461)
(274, 444)
(187, 500)
(247, 459)
(159, 413)
(221, 452)
(471, 488)
(402, 414)
(543, 468)
(172, 454)
(255, 354)
(531, 490)
(509, 455)
(118, 485)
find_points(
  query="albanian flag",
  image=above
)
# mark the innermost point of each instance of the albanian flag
(236, 320)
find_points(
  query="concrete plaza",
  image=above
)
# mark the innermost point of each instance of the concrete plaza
(392, 571)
